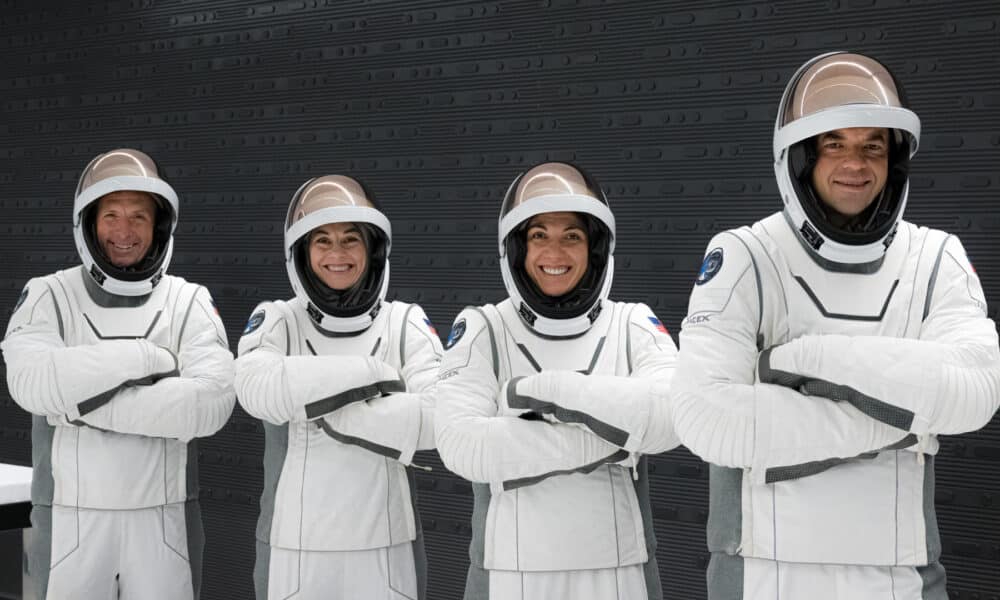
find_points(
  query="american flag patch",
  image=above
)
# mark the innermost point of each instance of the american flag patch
(430, 326)
(659, 326)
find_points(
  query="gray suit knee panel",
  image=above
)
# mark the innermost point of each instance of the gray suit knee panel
(196, 543)
(39, 554)
(725, 577)
(43, 486)
(419, 553)
(477, 584)
(725, 510)
(261, 568)
(935, 582)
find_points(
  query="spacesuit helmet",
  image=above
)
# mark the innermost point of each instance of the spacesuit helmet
(338, 199)
(120, 170)
(832, 91)
(557, 187)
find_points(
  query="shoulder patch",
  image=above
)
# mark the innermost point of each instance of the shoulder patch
(658, 325)
(20, 300)
(710, 266)
(457, 331)
(430, 326)
(254, 322)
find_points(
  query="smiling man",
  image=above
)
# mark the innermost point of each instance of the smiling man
(824, 350)
(850, 171)
(124, 226)
(122, 367)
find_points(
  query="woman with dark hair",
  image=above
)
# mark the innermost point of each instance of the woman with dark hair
(546, 403)
(336, 374)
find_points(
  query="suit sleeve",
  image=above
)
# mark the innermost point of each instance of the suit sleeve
(401, 423)
(630, 412)
(722, 414)
(197, 401)
(47, 378)
(278, 388)
(482, 446)
(945, 382)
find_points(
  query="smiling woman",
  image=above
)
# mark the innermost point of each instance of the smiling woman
(338, 254)
(339, 376)
(557, 252)
(546, 400)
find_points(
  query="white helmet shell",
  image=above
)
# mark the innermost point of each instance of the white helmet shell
(119, 170)
(336, 199)
(835, 91)
(555, 187)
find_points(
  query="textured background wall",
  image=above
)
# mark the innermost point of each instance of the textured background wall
(437, 106)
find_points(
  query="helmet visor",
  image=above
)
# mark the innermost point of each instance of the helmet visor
(331, 199)
(841, 79)
(553, 187)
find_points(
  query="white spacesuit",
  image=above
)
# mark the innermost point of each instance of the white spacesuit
(543, 404)
(822, 353)
(122, 366)
(337, 376)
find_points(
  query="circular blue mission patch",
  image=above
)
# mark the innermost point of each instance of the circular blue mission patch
(711, 265)
(254, 322)
(457, 331)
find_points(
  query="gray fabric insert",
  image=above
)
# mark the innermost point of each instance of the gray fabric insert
(39, 555)
(356, 441)
(419, 552)
(43, 486)
(725, 509)
(331, 403)
(513, 484)
(933, 280)
(650, 570)
(609, 432)
(275, 450)
(93, 403)
(477, 584)
(195, 542)
(105, 299)
(261, 569)
(97, 332)
(893, 416)
(493, 342)
(842, 316)
(777, 474)
(402, 337)
(935, 582)
(760, 289)
(932, 535)
(191, 471)
(725, 577)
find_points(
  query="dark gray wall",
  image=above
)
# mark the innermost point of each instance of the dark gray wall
(437, 106)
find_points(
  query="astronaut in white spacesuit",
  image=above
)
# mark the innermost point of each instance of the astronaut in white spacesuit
(122, 366)
(337, 375)
(824, 350)
(543, 404)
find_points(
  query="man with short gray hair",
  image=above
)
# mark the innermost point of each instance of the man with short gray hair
(122, 367)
